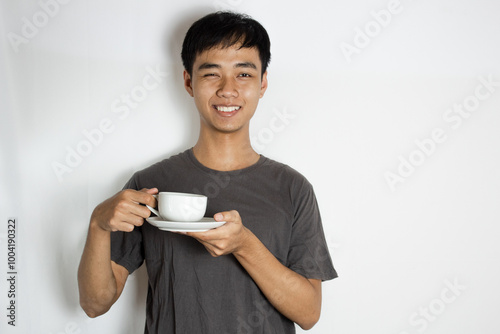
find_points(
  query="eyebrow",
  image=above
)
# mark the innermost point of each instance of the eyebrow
(247, 64)
(205, 66)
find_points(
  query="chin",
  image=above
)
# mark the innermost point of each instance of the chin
(228, 128)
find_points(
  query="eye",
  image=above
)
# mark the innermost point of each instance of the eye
(245, 75)
(209, 75)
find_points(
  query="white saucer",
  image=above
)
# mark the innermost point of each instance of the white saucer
(202, 225)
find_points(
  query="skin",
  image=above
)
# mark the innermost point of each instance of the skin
(229, 77)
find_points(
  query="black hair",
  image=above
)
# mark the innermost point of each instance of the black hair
(225, 29)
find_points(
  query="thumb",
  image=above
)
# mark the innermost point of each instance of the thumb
(219, 216)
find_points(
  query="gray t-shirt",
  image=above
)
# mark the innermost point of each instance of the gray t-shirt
(192, 292)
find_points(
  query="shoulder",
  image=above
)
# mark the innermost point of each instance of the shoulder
(147, 177)
(286, 175)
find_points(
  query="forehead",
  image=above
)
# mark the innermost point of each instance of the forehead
(228, 56)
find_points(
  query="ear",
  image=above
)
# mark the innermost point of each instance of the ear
(263, 84)
(188, 83)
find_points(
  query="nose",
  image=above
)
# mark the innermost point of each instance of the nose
(228, 88)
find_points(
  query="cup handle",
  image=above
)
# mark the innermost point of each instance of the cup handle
(154, 210)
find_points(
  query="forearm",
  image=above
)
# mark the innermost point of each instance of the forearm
(291, 294)
(96, 281)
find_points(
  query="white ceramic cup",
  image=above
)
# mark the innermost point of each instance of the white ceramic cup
(180, 207)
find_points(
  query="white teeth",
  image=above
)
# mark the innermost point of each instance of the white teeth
(227, 109)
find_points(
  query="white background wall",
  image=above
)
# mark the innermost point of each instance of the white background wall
(415, 255)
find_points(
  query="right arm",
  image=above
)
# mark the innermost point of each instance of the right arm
(100, 280)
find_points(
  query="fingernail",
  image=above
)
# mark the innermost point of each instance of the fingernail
(218, 216)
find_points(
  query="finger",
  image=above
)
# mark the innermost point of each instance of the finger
(134, 209)
(126, 219)
(209, 248)
(151, 191)
(211, 236)
(142, 197)
(125, 227)
(134, 220)
(200, 236)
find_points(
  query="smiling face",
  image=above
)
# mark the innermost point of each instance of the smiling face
(226, 85)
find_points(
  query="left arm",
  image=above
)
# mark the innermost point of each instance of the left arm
(294, 296)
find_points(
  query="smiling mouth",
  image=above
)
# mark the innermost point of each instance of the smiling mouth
(227, 109)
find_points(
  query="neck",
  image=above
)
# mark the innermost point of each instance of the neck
(225, 151)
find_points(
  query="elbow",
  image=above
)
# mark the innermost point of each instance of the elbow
(96, 304)
(93, 309)
(92, 313)
(307, 325)
(309, 321)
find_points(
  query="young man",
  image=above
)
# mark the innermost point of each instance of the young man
(262, 270)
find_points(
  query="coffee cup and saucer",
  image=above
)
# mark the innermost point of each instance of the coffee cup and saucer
(181, 212)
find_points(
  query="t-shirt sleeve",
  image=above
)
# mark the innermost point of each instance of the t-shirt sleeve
(308, 254)
(126, 247)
